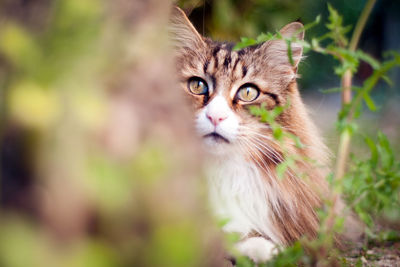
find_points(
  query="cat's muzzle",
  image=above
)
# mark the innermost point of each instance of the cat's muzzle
(217, 137)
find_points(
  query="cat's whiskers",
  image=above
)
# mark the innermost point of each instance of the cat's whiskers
(246, 148)
(262, 138)
(251, 149)
(250, 133)
(289, 173)
(284, 127)
(250, 146)
(248, 130)
(256, 132)
(264, 150)
(266, 168)
(259, 145)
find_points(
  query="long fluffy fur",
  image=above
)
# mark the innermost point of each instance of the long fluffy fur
(244, 186)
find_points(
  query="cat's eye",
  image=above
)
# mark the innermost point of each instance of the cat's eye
(197, 86)
(247, 93)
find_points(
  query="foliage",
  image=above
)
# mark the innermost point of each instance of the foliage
(280, 135)
(371, 185)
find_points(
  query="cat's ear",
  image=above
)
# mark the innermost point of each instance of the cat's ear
(183, 33)
(294, 29)
(277, 50)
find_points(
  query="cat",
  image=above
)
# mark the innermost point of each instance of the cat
(267, 211)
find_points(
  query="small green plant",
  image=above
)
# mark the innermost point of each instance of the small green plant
(371, 186)
(280, 135)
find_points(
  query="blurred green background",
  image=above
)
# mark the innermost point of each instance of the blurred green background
(94, 138)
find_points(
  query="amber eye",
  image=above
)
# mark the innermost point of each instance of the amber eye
(197, 86)
(247, 93)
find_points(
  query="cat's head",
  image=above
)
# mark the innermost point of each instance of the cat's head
(223, 83)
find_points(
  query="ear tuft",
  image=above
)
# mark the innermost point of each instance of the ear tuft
(183, 33)
(276, 51)
(293, 29)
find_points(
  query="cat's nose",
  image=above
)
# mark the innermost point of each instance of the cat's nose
(216, 118)
(217, 110)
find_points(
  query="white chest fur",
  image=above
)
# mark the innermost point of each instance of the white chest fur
(239, 193)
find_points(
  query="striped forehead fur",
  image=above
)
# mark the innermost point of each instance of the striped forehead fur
(266, 62)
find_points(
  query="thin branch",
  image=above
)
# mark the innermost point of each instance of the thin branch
(345, 136)
(361, 24)
(344, 143)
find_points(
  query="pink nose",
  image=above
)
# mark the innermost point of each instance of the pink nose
(216, 119)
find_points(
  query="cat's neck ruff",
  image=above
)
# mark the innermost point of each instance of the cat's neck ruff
(240, 194)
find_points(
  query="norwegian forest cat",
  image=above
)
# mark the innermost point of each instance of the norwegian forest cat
(267, 211)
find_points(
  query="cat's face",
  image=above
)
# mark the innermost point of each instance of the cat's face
(223, 83)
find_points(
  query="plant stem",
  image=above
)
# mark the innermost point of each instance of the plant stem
(345, 135)
(346, 87)
(361, 24)
(345, 138)
(343, 152)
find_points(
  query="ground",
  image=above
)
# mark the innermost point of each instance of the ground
(382, 255)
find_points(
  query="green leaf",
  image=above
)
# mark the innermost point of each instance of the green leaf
(263, 37)
(312, 24)
(222, 222)
(290, 52)
(337, 30)
(244, 42)
(387, 80)
(364, 216)
(386, 153)
(278, 110)
(277, 133)
(367, 58)
(232, 238)
(370, 103)
(374, 151)
(315, 43)
(297, 141)
(282, 167)
(242, 261)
